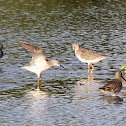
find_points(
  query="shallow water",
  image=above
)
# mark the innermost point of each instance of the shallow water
(69, 97)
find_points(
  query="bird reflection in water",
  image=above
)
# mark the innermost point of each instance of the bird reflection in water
(111, 99)
(86, 80)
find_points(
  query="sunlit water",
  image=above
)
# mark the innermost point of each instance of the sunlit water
(70, 97)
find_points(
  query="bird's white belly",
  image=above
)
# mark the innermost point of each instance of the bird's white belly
(38, 69)
(109, 93)
(88, 61)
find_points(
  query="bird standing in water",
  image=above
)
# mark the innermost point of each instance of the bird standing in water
(113, 87)
(39, 62)
(87, 56)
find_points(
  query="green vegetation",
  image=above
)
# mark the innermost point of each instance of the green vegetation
(123, 67)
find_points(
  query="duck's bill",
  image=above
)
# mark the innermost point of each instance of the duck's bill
(63, 67)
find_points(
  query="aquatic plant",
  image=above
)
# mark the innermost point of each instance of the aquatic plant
(123, 68)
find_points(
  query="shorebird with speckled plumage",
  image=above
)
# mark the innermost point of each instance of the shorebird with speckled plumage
(113, 87)
(39, 63)
(87, 56)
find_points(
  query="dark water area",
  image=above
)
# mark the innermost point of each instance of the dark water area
(70, 97)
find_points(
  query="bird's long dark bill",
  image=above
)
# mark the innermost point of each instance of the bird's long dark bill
(123, 78)
(63, 67)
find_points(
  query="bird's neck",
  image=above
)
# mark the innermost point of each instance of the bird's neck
(51, 63)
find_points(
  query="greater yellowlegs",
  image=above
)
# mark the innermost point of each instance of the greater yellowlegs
(113, 87)
(1, 50)
(38, 63)
(87, 56)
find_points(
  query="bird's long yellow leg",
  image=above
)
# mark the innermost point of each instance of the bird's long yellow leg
(88, 68)
(92, 68)
(42, 81)
(38, 83)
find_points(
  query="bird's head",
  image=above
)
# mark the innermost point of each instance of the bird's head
(75, 46)
(56, 63)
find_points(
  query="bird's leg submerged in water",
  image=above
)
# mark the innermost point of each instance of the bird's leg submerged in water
(92, 68)
(38, 82)
(41, 81)
(88, 68)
